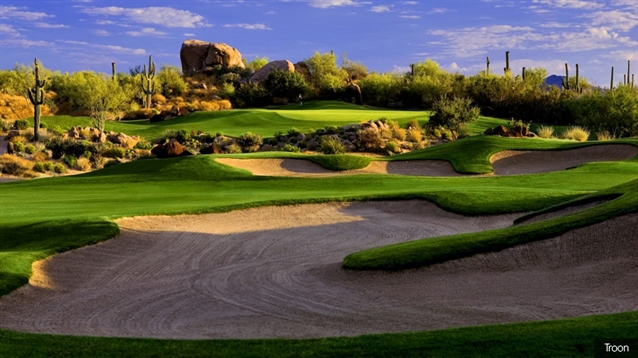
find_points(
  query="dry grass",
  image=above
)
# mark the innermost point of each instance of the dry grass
(398, 132)
(83, 164)
(545, 131)
(18, 107)
(605, 135)
(576, 133)
(17, 139)
(414, 135)
(40, 156)
(14, 165)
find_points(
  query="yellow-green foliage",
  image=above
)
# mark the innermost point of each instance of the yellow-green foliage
(18, 107)
(605, 135)
(414, 135)
(14, 165)
(545, 131)
(576, 133)
(83, 164)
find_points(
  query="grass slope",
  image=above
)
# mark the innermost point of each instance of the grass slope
(561, 338)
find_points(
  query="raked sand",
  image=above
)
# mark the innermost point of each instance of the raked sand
(276, 272)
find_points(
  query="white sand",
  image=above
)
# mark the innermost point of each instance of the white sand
(276, 272)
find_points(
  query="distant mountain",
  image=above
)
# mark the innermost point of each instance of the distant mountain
(554, 80)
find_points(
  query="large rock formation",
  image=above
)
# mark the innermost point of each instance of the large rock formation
(262, 73)
(198, 56)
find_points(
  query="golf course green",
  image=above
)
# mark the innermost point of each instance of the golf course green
(43, 217)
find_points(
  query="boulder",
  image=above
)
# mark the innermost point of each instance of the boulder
(168, 150)
(10, 148)
(13, 133)
(197, 56)
(304, 70)
(156, 118)
(354, 91)
(281, 65)
(125, 141)
(499, 130)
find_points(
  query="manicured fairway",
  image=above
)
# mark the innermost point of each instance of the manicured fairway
(41, 217)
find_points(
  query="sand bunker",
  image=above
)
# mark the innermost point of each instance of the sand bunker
(302, 167)
(276, 272)
(530, 162)
(562, 212)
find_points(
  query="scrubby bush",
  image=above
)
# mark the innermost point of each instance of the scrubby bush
(18, 147)
(614, 111)
(545, 131)
(83, 164)
(605, 135)
(392, 147)
(250, 142)
(59, 168)
(4, 125)
(29, 149)
(21, 124)
(39, 167)
(381, 89)
(60, 147)
(144, 144)
(576, 133)
(413, 124)
(370, 139)
(70, 161)
(57, 130)
(114, 152)
(43, 125)
(170, 81)
(41, 156)
(14, 165)
(453, 114)
(48, 166)
(286, 84)
(251, 95)
(414, 135)
(233, 148)
(331, 144)
(290, 148)
(326, 77)
(398, 132)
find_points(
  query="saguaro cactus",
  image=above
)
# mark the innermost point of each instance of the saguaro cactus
(488, 66)
(507, 62)
(148, 83)
(611, 84)
(36, 95)
(113, 71)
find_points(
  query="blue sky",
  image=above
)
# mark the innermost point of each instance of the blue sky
(75, 35)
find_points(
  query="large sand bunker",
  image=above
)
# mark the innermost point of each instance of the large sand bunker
(276, 272)
(530, 162)
(302, 167)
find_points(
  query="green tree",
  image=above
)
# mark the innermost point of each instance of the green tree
(285, 84)
(325, 74)
(170, 81)
(355, 70)
(453, 114)
(257, 63)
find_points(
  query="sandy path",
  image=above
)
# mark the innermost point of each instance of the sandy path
(302, 167)
(275, 272)
(530, 162)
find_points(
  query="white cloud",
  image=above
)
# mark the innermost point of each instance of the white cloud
(248, 26)
(105, 22)
(24, 43)
(438, 10)
(164, 16)
(380, 8)
(324, 4)
(614, 20)
(631, 3)
(188, 34)
(13, 12)
(101, 33)
(410, 3)
(147, 31)
(44, 25)
(8, 30)
(557, 25)
(271, 13)
(108, 48)
(570, 4)
(410, 16)
(630, 55)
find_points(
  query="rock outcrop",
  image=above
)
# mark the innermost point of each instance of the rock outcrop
(281, 65)
(198, 56)
(169, 150)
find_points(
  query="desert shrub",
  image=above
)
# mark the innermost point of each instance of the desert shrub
(293, 132)
(605, 135)
(59, 168)
(29, 149)
(233, 148)
(70, 161)
(331, 144)
(21, 124)
(48, 166)
(392, 147)
(370, 139)
(83, 164)
(453, 114)
(14, 165)
(41, 156)
(420, 145)
(398, 132)
(43, 125)
(576, 133)
(614, 111)
(17, 139)
(381, 88)
(170, 81)
(18, 147)
(414, 135)
(250, 142)
(57, 130)
(183, 136)
(4, 125)
(114, 152)
(144, 144)
(326, 76)
(290, 148)
(413, 124)
(545, 131)
(39, 167)
(99, 161)
(385, 133)
(251, 95)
